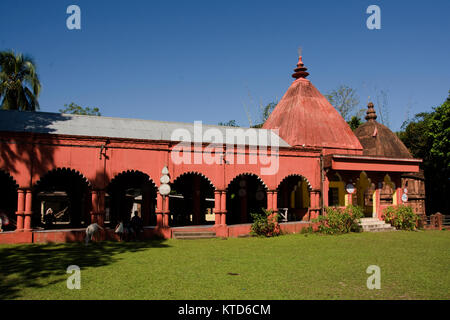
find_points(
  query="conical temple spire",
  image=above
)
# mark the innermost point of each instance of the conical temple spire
(300, 71)
(371, 115)
(305, 118)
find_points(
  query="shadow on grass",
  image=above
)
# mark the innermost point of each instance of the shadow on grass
(30, 264)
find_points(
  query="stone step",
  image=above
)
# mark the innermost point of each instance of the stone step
(370, 223)
(192, 235)
(386, 226)
(379, 229)
(375, 225)
(369, 220)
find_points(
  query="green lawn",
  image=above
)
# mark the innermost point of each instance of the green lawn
(414, 265)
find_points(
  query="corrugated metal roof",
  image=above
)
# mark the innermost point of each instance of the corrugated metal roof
(99, 126)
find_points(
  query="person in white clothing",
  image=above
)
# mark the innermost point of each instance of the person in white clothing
(119, 230)
(92, 230)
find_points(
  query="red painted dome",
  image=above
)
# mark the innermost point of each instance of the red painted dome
(304, 117)
(379, 140)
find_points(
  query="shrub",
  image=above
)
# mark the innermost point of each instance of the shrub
(307, 230)
(401, 217)
(265, 224)
(337, 221)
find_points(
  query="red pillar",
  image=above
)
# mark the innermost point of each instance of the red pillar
(314, 207)
(20, 209)
(377, 201)
(223, 207)
(28, 210)
(349, 198)
(270, 200)
(326, 188)
(166, 211)
(399, 193)
(317, 200)
(217, 208)
(275, 201)
(159, 210)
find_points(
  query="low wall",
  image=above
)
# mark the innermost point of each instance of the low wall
(78, 235)
(294, 227)
(16, 237)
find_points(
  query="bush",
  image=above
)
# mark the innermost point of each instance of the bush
(307, 230)
(337, 221)
(401, 217)
(265, 224)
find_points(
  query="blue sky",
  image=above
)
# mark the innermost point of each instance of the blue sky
(212, 60)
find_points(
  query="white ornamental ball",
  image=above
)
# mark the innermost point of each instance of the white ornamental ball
(164, 179)
(164, 189)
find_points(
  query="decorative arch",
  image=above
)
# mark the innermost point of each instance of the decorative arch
(364, 195)
(388, 192)
(192, 200)
(336, 177)
(246, 194)
(248, 174)
(132, 172)
(294, 196)
(61, 199)
(130, 193)
(296, 175)
(8, 199)
(195, 173)
(363, 175)
(336, 190)
(63, 170)
(9, 177)
(387, 180)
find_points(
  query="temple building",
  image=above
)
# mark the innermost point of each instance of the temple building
(61, 172)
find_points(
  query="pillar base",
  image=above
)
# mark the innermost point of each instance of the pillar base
(27, 221)
(223, 218)
(166, 219)
(20, 219)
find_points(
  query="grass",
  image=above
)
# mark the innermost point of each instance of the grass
(414, 265)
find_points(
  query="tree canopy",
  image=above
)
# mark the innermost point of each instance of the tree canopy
(344, 99)
(231, 123)
(19, 82)
(354, 122)
(73, 108)
(427, 136)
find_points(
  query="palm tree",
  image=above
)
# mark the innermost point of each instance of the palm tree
(19, 83)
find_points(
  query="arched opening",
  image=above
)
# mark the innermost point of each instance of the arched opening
(246, 194)
(293, 195)
(61, 200)
(336, 191)
(130, 193)
(191, 201)
(364, 194)
(387, 192)
(8, 201)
